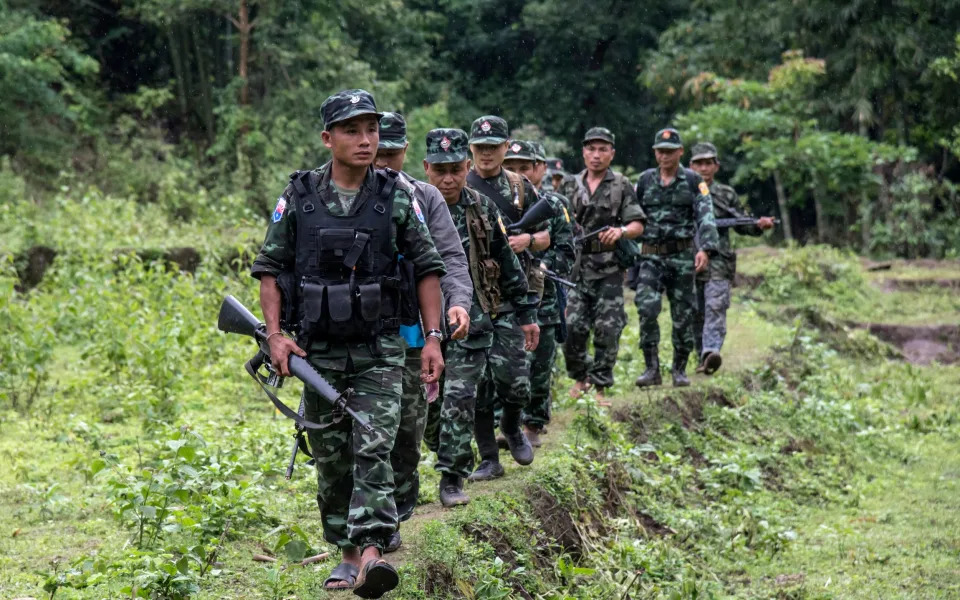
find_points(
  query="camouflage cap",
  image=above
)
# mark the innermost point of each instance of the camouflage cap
(555, 166)
(599, 133)
(668, 139)
(520, 150)
(393, 131)
(347, 105)
(446, 146)
(703, 151)
(541, 151)
(489, 129)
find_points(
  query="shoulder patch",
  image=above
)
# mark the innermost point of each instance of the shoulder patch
(419, 211)
(279, 210)
(704, 189)
(503, 229)
(566, 215)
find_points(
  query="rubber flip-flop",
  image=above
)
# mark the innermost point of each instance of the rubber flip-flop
(344, 572)
(379, 577)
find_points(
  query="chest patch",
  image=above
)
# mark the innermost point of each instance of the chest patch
(704, 189)
(419, 211)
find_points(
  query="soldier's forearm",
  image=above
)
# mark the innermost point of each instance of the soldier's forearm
(634, 230)
(541, 241)
(270, 301)
(428, 293)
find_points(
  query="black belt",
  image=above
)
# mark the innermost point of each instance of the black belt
(668, 247)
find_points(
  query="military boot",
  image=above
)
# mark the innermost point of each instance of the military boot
(651, 376)
(490, 467)
(533, 435)
(451, 491)
(679, 372)
(520, 447)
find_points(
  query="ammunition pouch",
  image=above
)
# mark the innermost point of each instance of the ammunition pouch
(353, 311)
(409, 302)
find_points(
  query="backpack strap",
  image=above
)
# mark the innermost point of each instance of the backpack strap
(516, 184)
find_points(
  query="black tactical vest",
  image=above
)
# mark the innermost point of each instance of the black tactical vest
(346, 267)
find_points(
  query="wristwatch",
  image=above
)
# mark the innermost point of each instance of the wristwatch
(623, 229)
(435, 333)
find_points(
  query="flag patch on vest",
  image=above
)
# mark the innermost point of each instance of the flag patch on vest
(502, 228)
(416, 209)
(278, 211)
(566, 215)
(704, 189)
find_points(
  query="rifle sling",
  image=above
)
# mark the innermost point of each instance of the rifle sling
(482, 185)
(283, 408)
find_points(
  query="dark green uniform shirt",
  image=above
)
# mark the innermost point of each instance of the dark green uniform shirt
(726, 204)
(680, 210)
(559, 257)
(410, 238)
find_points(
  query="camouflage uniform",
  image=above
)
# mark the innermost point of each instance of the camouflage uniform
(354, 476)
(457, 291)
(597, 303)
(675, 214)
(713, 285)
(450, 420)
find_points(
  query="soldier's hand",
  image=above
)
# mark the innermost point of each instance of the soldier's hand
(610, 236)
(280, 350)
(459, 321)
(431, 361)
(700, 261)
(531, 336)
(519, 243)
(765, 222)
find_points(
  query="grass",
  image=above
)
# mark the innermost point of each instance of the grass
(818, 475)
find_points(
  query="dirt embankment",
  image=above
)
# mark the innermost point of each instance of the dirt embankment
(921, 344)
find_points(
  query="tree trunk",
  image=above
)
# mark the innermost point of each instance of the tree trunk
(205, 89)
(784, 209)
(818, 210)
(174, 46)
(244, 26)
(866, 221)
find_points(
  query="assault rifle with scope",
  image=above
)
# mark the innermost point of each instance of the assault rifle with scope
(739, 221)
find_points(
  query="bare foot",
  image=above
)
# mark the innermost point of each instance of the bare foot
(579, 388)
(602, 399)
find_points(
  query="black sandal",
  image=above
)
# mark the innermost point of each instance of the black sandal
(344, 572)
(379, 577)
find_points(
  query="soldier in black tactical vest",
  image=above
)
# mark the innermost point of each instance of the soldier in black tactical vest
(329, 269)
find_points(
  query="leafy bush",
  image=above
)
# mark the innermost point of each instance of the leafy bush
(29, 344)
(811, 274)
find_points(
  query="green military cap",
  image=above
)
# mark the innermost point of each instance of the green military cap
(599, 133)
(347, 105)
(555, 166)
(446, 146)
(393, 131)
(541, 151)
(667, 138)
(489, 129)
(702, 151)
(520, 150)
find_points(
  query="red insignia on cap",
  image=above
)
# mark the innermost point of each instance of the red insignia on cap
(666, 135)
(485, 126)
(515, 148)
(445, 143)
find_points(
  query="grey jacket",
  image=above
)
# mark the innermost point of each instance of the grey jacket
(456, 284)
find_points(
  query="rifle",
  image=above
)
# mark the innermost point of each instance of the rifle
(738, 221)
(552, 276)
(538, 213)
(235, 318)
(582, 239)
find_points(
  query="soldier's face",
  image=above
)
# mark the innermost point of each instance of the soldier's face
(449, 178)
(557, 178)
(391, 158)
(527, 168)
(598, 155)
(488, 157)
(668, 158)
(706, 168)
(354, 142)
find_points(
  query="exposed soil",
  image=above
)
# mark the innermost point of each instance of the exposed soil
(32, 265)
(912, 285)
(555, 521)
(921, 344)
(752, 282)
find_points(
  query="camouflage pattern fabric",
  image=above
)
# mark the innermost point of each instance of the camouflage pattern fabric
(405, 457)
(726, 204)
(537, 413)
(450, 417)
(681, 210)
(354, 477)
(507, 376)
(710, 323)
(671, 274)
(347, 104)
(597, 306)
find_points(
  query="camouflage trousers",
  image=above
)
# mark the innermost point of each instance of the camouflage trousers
(450, 417)
(597, 306)
(506, 380)
(673, 274)
(537, 413)
(354, 477)
(710, 323)
(405, 457)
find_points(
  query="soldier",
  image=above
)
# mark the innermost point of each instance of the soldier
(498, 280)
(678, 207)
(713, 283)
(515, 327)
(330, 257)
(602, 198)
(527, 159)
(559, 180)
(457, 295)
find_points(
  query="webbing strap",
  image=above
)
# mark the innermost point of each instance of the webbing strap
(283, 408)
